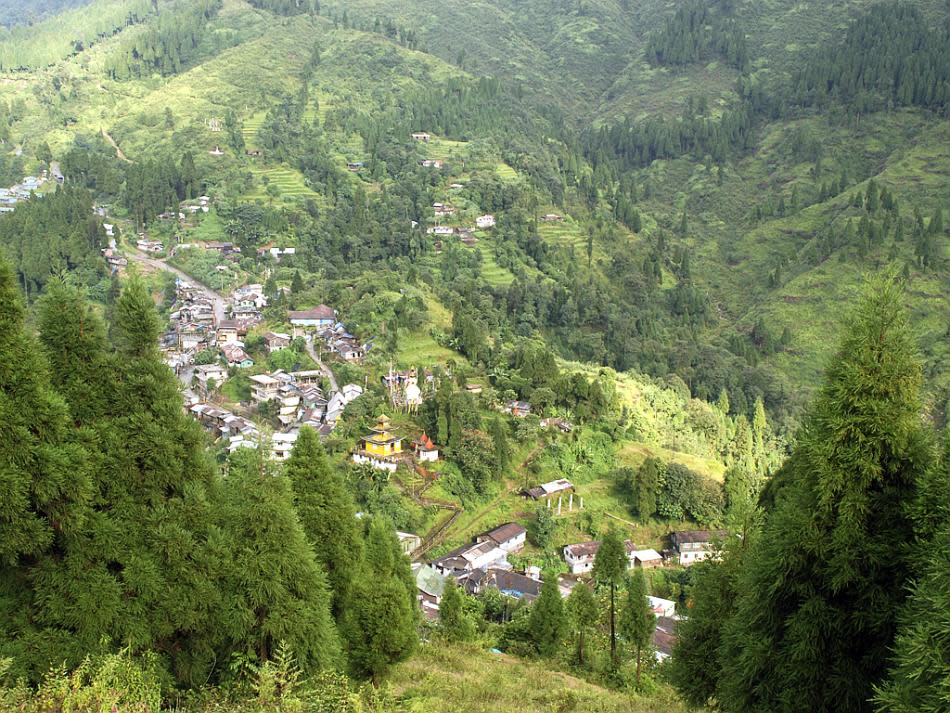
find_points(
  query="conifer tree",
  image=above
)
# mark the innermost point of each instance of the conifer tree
(500, 446)
(636, 619)
(583, 614)
(454, 623)
(610, 568)
(277, 590)
(819, 595)
(138, 573)
(44, 482)
(919, 681)
(547, 621)
(327, 514)
(380, 623)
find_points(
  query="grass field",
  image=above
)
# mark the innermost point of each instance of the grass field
(443, 678)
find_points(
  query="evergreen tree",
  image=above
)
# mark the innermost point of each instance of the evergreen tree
(43, 478)
(277, 590)
(327, 514)
(454, 622)
(547, 620)
(500, 446)
(583, 614)
(648, 482)
(139, 572)
(919, 681)
(636, 618)
(380, 622)
(694, 666)
(819, 596)
(610, 568)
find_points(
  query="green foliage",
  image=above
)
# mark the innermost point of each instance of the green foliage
(380, 624)
(820, 591)
(637, 621)
(327, 515)
(610, 569)
(280, 588)
(55, 235)
(542, 527)
(547, 622)
(583, 615)
(454, 622)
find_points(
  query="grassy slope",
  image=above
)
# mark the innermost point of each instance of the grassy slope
(444, 679)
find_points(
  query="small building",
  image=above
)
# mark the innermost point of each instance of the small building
(518, 409)
(559, 423)
(664, 637)
(236, 356)
(510, 537)
(695, 545)
(210, 376)
(282, 444)
(264, 388)
(254, 153)
(354, 166)
(420, 136)
(276, 341)
(432, 163)
(648, 559)
(381, 449)
(319, 317)
(227, 332)
(484, 222)
(426, 451)
(440, 230)
(662, 607)
(468, 558)
(443, 209)
(409, 542)
(546, 490)
(473, 389)
(150, 246)
(551, 218)
(511, 584)
(580, 557)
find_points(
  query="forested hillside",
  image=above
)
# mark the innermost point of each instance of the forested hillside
(610, 243)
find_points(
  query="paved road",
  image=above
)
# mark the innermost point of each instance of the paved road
(323, 367)
(217, 299)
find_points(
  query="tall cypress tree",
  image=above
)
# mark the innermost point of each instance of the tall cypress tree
(610, 568)
(583, 614)
(138, 573)
(820, 593)
(454, 623)
(327, 514)
(546, 622)
(919, 681)
(42, 475)
(380, 623)
(277, 589)
(45, 482)
(636, 619)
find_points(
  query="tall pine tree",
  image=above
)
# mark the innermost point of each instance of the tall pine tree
(820, 593)
(327, 514)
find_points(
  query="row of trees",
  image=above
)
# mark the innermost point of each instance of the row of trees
(831, 598)
(118, 531)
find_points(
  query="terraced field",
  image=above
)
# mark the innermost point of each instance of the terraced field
(290, 184)
(567, 234)
(494, 274)
(445, 149)
(506, 172)
(249, 129)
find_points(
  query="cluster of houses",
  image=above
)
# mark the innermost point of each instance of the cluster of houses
(192, 327)
(299, 399)
(320, 324)
(22, 191)
(483, 563)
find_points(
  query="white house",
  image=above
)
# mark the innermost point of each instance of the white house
(485, 221)
(276, 341)
(662, 607)
(694, 545)
(264, 388)
(282, 444)
(580, 557)
(510, 537)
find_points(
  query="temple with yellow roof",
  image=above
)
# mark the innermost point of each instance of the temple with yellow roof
(382, 448)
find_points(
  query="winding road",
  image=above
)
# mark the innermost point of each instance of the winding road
(327, 372)
(217, 300)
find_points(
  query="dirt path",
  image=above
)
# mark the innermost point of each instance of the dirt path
(118, 152)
